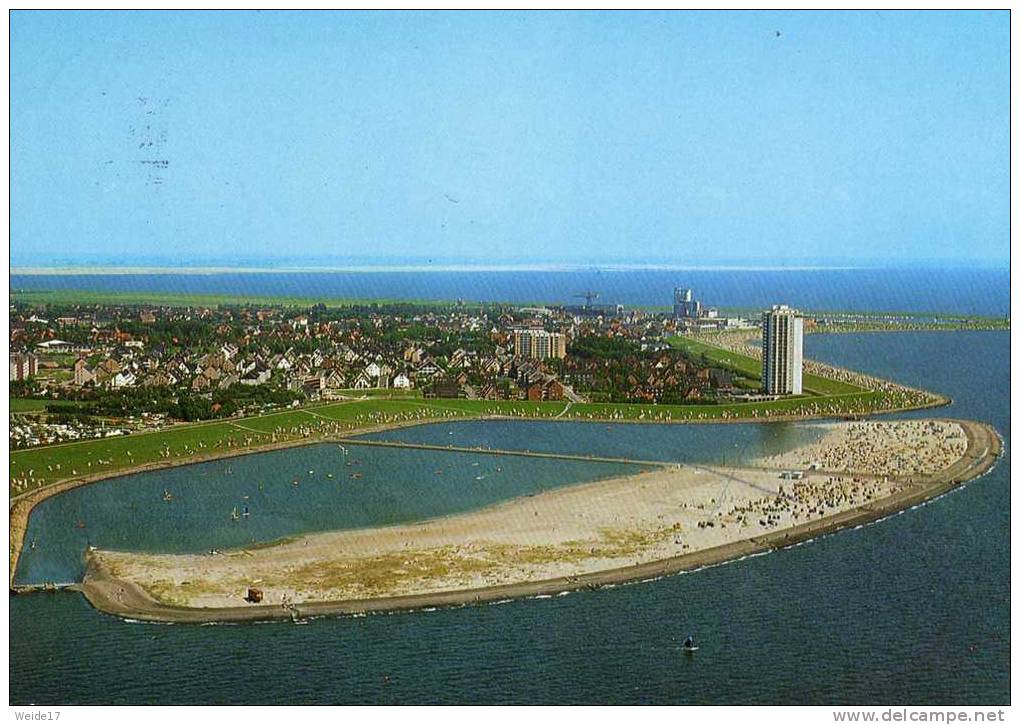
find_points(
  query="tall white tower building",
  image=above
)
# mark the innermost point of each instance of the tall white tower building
(782, 345)
(684, 304)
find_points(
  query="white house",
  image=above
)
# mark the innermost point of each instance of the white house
(123, 379)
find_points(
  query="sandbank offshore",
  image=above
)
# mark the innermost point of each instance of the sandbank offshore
(671, 519)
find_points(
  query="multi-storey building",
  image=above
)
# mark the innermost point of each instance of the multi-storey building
(539, 344)
(23, 366)
(782, 344)
(685, 307)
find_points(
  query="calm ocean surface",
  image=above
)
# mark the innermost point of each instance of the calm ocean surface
(961, 291)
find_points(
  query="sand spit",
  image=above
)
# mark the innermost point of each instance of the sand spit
(667, 520)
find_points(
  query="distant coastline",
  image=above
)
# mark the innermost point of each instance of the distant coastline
(444, 267)
(978, 290)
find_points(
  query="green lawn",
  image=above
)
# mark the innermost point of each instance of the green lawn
(734, 361)
(751, 367)
(26, 405)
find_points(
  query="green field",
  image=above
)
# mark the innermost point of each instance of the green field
(751, 368)
(27, 405)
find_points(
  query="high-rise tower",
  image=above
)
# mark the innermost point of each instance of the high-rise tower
(684, 304)
(782, 346)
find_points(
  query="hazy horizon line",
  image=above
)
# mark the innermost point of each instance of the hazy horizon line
(467, 267)
(37, 270)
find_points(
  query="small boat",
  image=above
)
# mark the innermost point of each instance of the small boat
(167, 496)
(81, 524)
(356, 475)
(329, 475)
(34, 542)
(294, 482)
(689, 646)
(234, 516)
(246, 513)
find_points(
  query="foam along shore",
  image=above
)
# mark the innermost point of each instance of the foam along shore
(646, 525)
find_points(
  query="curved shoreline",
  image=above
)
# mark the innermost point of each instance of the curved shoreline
(130, 601)
(21, 506)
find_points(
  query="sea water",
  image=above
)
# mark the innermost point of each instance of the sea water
(960, 291)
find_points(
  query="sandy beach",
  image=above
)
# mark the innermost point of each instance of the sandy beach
(667, 519)
(888, 448)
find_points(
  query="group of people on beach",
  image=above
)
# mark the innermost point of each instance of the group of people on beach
(901, 448)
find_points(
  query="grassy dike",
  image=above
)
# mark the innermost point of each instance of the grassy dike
(751, 368)
(46, 465)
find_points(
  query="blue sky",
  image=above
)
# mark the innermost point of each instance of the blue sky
(682, 138)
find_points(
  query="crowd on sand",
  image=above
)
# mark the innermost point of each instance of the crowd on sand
(803, 500)
(886, 448)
